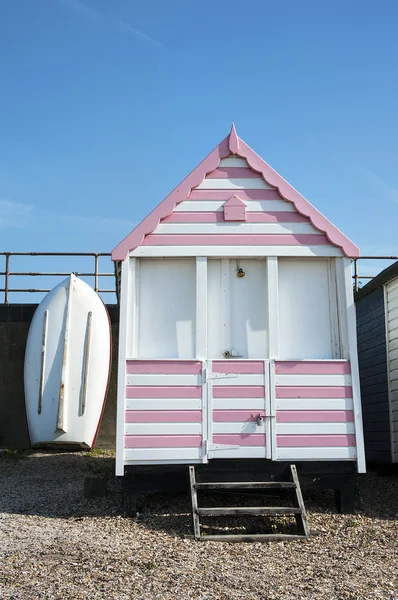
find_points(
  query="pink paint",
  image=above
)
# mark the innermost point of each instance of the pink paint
(239, 367)
(312, 367)
(235, 209)
(233, 141)
(244, 194)
(314, 416)
(239, 439)
(233, 144)
(314, 392)
(216, 239)
(163, 416)
(163, 367)
(236, 416)
(321, 441)
(238, 391)
(233, 173)
(162, 441)
(163, 391)
(218, 217)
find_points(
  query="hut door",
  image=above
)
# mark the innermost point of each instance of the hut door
(237, 373)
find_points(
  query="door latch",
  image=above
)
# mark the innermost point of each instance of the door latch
(260, 420)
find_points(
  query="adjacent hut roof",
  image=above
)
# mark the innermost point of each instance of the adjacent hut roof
(205, 182)
(382, 278)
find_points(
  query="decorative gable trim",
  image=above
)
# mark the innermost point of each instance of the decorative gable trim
(233, 144)
(235, 209)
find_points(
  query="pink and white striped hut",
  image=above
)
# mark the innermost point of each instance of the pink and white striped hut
(237, 324)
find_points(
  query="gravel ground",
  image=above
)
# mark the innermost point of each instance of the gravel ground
(55, 544)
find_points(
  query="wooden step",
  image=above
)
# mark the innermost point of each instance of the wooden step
(256, 537)
(230, 485)
(249, 510)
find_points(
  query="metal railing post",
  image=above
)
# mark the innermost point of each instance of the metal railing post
(96, 273)
(7, 276)
(356, 282)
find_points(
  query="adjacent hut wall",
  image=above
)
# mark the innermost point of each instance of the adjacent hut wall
(373, 372)
(392, 345)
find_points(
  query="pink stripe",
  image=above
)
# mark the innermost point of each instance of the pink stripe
(236, 366)
(251, 217)
(239, 391)
(226, 194)
(216, 239)
(161, 367)
(162, 441)
(162, 391)
(233, 173)
(314, 392)
(240, 439)
(312, 368)
(307, 441)
(314, 416)
(236, 416)
(163, 416)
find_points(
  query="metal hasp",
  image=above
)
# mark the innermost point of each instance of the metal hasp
(247, 487)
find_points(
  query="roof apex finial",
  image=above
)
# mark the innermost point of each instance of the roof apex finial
(233, 141)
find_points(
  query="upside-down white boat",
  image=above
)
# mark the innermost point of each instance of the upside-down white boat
(67, 364)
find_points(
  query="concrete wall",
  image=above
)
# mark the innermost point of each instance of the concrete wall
(14, 326)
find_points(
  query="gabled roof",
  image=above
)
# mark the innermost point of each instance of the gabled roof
(232, 144)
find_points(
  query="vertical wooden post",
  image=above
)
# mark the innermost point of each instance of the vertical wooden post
(194, 499)
(225, 306)
(273, 306)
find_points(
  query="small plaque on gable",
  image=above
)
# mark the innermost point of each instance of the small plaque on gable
(234, 209)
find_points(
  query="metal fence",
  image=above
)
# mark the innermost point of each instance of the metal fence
(9, 275)
(95, 275)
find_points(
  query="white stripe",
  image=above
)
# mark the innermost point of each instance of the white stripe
(163, 404)
(242, 452)
(310, 380)
(314, 404)
(238, 403)
(150, 379)
(239, 251)
(251, 206)
(315, 428)
(162, 454)
(162, 428)
(339, 453)
(255, 183)
(233, 161)
(236, 228)
(240, 380)
(246, 428)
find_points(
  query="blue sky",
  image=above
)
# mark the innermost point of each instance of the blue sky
(105, 106)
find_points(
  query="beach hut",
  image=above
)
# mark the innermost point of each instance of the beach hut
(377, 314)
(237, 325)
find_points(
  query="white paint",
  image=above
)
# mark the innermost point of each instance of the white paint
(247, 428)
(155, 379)
(304, 325)
(223, 329)
(179, 455)
(333, 310)
(72, 296)
(252, 404)
(215, 310)
(162, 428)
(201, 308)
(315, 428)
(251, 206)
(235, 228)
(318, 454)
(236, 251)
(272, 310)
(234, 161)
(309, 380)
(242, 452)
(167, 309)
(127, 288)
(391, 312)
(163, 404)
(353, 355)
(256, 183)
(314, 403)
(250, 379)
